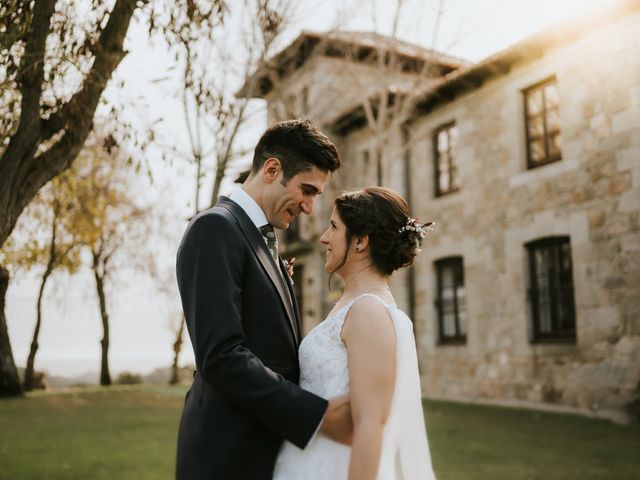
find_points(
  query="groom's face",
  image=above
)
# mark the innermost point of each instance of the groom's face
(285, 200)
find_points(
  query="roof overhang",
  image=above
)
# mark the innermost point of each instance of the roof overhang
(362, 47)
(458, 82)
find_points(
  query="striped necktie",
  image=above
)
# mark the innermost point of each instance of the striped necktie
(272, 241)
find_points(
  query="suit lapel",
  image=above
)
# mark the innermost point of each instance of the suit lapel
(259, 247)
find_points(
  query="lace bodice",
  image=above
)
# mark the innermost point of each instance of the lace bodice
(323, 357)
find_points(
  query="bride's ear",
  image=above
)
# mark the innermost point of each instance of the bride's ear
(362, 243)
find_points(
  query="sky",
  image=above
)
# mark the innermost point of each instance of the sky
(141, 338)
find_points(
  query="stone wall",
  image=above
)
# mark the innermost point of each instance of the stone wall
(592, 195)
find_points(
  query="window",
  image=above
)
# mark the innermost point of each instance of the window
(544, 141)
(451, 301)
(446, 166)
(551, 289)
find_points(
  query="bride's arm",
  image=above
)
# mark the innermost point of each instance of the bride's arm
(369, 336)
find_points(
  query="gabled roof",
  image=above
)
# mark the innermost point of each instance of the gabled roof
(357, 46)
(458, 82)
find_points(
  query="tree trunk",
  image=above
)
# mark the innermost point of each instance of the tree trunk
(22, 173)
(196, 203)
(216, 187)
(223, 160)
(28, 372)
(9, 380)
(177, 348)
(105, 376)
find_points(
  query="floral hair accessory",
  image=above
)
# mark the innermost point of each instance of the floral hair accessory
(420, 229)
(413, 225)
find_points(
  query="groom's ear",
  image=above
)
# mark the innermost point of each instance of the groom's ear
(270, 169)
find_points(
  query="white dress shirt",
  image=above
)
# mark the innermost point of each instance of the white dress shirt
(250, 207)
(255, 213)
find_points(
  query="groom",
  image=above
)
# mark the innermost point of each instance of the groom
(243, 318)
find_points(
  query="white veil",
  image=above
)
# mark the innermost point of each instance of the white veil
(413, 459)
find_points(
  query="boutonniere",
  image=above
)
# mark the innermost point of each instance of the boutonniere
(288, 264)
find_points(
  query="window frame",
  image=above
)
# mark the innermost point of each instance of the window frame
(557, 333)
(436, 157)
(548, 158)
(460, 337)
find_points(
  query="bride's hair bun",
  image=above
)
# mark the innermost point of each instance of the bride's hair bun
(383, 215)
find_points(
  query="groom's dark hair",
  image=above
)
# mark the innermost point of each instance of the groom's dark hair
(299, 145)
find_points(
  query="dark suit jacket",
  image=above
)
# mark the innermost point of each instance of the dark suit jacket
(245, 330)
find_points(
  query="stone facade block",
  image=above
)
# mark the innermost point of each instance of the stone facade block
(626, 120)
(619, 184)
(630, 201)
(596, 218)
(628, 158)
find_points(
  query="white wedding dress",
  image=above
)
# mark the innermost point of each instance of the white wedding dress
(324, 371)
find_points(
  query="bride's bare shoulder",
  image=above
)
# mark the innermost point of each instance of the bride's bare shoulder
(368, 317)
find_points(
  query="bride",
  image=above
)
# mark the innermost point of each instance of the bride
(365, 347)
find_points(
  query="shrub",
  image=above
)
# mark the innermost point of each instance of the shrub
(128, 378)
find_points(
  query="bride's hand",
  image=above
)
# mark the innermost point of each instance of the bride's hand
(338, 424)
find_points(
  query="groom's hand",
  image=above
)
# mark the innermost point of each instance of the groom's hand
(338, 424)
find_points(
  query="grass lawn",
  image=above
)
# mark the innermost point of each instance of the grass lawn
(473, 442)
(116, 433)
(130, 433)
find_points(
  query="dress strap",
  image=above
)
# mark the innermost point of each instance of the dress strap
(347, 308)
(370, 295)
(344, 310)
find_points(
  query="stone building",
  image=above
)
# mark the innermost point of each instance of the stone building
(529, 163)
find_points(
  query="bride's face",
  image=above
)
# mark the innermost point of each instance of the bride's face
(335, 241)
